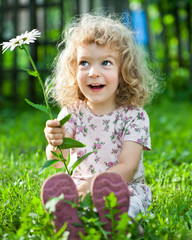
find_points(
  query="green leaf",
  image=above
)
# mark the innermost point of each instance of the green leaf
(111, 200)
(37, 106)
(55, 154)
(123, 222)
(71, 143)
(65, 119)
(87, 202)
(80, 160)
(51, 204)
(68, 158)
(48, 164)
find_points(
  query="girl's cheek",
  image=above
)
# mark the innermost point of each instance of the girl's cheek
(81, 76)
(78, 76)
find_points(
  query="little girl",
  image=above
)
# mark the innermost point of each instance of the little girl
(101, 78)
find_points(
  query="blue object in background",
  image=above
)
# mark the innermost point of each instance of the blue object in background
(139, 25)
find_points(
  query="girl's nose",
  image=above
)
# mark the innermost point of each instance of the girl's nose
(94, 72)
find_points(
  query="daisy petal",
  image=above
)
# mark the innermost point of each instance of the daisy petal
(24, 38)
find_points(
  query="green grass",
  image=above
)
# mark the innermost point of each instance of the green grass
(168, 169)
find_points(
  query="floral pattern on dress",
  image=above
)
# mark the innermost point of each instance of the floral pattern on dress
(81, 115)
(97, 144)
(110, 164)
(114, 150)
(92, 169)
(89, 119)
(113, 137)
(80, 153)
(146, 129)
(116, 118)
(92, 126)
(127, 132)
(72, 121)
(106, 124)
(82, 129)
(117, 135)
(97, 159)
(140, 116)
(133, 126)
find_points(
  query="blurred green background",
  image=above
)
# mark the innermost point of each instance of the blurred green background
(163, 28)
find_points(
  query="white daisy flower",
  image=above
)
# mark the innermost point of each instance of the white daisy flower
(25, 38)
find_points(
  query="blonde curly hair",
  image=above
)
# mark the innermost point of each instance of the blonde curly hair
(137, 83)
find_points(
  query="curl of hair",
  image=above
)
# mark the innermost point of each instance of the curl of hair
(137, 82)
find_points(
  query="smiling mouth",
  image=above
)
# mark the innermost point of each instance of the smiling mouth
(96, 86)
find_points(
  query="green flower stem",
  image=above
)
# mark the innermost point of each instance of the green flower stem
(40, 80)
(63, 160)
(46, 101)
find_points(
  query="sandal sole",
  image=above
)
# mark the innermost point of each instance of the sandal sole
(103, 185)
(54, 186)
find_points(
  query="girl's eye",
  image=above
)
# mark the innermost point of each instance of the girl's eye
(83, 63)
(106, 63)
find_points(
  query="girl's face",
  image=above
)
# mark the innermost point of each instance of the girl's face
(98, 76)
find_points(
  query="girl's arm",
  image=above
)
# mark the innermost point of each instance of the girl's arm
(128, 160)
(128, 163)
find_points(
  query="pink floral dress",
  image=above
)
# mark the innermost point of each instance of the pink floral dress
(106, 134)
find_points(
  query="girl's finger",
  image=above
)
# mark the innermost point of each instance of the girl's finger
(53, 123)
(55, 136)
(55, 142)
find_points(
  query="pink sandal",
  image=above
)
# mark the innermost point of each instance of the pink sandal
(103, 185)
(54, 187)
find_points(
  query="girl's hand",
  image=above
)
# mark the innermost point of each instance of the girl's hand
(54, 133)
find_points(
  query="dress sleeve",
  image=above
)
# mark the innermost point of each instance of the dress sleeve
(138, 130)
(70, 125)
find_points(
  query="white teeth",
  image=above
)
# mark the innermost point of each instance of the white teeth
(96, 84)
